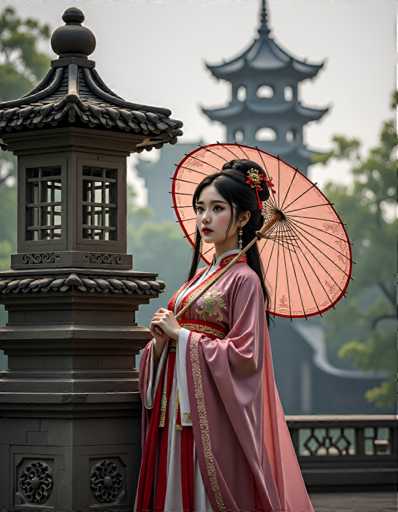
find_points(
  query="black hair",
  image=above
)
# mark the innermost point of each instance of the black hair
(230, 184)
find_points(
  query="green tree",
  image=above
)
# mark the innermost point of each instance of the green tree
(157, 247)
(367, 206)
(22, 65)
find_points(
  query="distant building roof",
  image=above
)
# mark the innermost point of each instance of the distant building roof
(264, 54)
(73, 94)
(292, 110)
(314, 335)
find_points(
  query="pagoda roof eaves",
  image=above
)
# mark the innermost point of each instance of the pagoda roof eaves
(72, 93)
(264, 54)
(264, 108)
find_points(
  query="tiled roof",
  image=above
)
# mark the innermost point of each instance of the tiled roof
(264, 54)
(265, 108)
(73, 94)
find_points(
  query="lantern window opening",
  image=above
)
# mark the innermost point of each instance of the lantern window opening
(241, 93)
(265, 91)
(266, 134)
(239, 135)
(288, 93)
(43, 203)
(291, 135)
(99, 203)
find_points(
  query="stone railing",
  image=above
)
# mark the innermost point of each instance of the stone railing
(346, 452)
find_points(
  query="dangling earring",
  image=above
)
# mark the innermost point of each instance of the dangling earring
(240, 232)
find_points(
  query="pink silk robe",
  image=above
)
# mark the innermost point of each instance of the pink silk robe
(245, 452)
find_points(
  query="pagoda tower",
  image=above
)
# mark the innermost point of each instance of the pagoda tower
(264, 108)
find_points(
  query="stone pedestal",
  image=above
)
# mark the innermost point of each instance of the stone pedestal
(69, 403)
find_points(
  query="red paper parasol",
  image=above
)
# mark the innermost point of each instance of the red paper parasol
(306, 258)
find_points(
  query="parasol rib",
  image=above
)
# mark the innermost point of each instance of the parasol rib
(283, 227)
(313, 218)
(186, 220)
(216, 154)
(190, 234)
(288, 189)
(204, 162)
(230, 150)
(185, 181)
(270, 257)
(318, 229)
(306, 278)
(306, 207)
(244, 152)
(279, 180)
(193, 170)
(319, 263)
(320, 240)
(297, 283)
(299, 196)
(296, 228)
(272, 193)
(277, 267)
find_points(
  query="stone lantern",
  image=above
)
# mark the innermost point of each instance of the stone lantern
(69, 404)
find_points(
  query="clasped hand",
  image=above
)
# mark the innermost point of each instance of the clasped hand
(164, 325)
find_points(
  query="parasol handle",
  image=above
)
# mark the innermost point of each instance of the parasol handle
(261, 233)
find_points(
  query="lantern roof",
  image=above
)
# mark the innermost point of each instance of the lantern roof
(73, 94)
(264, 54)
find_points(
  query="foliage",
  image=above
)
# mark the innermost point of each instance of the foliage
(368, 208)
(22, 65)
(157, 247)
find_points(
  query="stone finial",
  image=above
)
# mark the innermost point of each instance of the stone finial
(264, 28)
(72, 38)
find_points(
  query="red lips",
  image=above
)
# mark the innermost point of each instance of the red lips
(206, 230)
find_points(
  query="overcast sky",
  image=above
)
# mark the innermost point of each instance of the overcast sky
(153, 52)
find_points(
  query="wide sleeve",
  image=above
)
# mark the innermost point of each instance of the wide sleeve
(226, 397)
(150, 373)
(182, 384)
(239, 355)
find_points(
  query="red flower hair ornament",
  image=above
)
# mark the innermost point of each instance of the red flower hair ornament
(254, 179)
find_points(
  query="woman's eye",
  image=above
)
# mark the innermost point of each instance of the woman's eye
(219, 207)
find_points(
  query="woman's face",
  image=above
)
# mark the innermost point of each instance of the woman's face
(214, 213)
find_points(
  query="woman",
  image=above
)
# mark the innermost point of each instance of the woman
(214, 433)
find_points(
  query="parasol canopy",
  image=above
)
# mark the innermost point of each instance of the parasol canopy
(306, 256)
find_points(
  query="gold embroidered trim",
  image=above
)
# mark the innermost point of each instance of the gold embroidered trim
(204, 424)
(205, 329)
(196, 291)
(163, 403)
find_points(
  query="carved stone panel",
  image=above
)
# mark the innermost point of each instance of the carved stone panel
(108, 480)
(34, 481)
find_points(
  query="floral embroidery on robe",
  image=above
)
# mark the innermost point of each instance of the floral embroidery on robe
(211, 305)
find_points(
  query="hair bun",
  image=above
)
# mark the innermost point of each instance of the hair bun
(242, 169)
(263, 193)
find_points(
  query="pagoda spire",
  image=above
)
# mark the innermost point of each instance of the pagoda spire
(264, 28)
